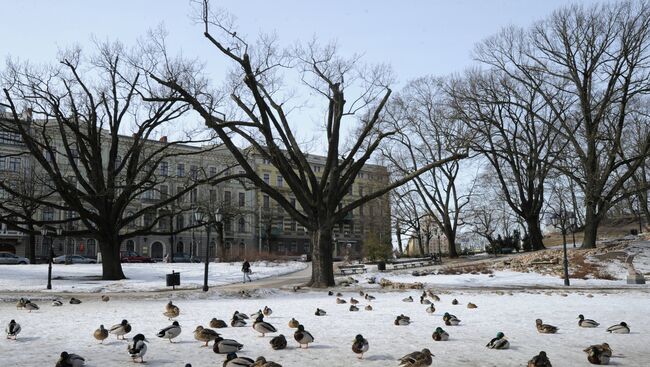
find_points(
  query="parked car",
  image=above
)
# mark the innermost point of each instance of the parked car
(73, 259)
(9, 258)
(185, 258)
(305, 257)
(134, 257)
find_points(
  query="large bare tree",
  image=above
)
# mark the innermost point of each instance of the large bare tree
(259, 110)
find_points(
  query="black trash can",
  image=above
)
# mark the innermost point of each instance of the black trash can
(173, 279)
(381, 266)
(634, 232)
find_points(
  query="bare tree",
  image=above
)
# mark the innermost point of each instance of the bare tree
(408, 214)
(106, 181)
(259, 114)
(598, 58)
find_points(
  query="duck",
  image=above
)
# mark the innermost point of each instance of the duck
(57, 303)
(105, 298)
(340, 301)
(70, 360)
(240, 315)
(368, 308)
(263, 327)
(12, 329)
(205, 335)
(339, 294)
(454, 302)
(31, 306)
(75, 301)
(408, 299)
(237, 323)
(402, 321)
(369, 297)
(170, 332)
(262, 362)
(225, 346)
(440, 335)
(138, 347)
(450, 320)
(293, 323)
(279, 342)
(267, 311)
(417, 359)
(360, 345)
(599, 354)
(435, 298)
(122, 329)
(354, 308)
(471, 305)
(101, 334)
(21, 303)
(303, 337)
(171, 311)
(232, 360)
(540, 360)
(319, 312)
(431, 309)
(545, 328)
(330, 293)
(499, 342)
(621, 328)
(586, 322)
(218, 324)
(257, 314)
(353, 301)
(424, 301)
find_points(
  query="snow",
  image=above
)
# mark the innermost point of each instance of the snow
(141, 277)
(47, 332)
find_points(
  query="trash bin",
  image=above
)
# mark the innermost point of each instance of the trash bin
(381, 266)
(173, 279)
(634, 232)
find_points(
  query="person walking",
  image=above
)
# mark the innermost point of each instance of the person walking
(246, 269)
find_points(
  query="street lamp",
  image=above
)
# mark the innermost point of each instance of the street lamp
(560, 221)
(203, 218)
(44, 232)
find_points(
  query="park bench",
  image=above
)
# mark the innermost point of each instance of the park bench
(413, 263)
(352, 269)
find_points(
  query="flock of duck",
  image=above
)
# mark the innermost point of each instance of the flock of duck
(598, 354)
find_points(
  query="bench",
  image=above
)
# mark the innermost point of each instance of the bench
(352, 269)
(413, 264)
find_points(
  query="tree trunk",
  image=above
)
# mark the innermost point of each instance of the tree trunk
(535, 233)
(399, 238)
(322, 271)
(420, 245)
(221, 245)
(590, 229)
(31, 246)
(451, 241)
(111, 263)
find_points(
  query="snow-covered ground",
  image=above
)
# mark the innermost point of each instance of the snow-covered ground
(51, 330)
(141, 277)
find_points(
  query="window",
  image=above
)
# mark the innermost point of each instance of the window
(213, 171)
(227, 225)
(267, 178)
(194, 195)
(242, 199)
(14, 164)
(164, 169)
(317, 168)
(130, 245)
(226, 197)
(241, 226)
(147, 219)
(293, 202)
(10, 138)
(266, 161)
(360, 190)
(266, 202)
(148, 195)
(49, 155)
(181, 197)
(194, 172)
(48, 214)
(281, 224)
(180, 222)
(164, 192)
(180, 247)
(280, 181)
(133, 222)
(180, 170)
(292, 226)
(213, 195)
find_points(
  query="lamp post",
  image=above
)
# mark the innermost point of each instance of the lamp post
(44, 232)
(439, 249)
(559, 221)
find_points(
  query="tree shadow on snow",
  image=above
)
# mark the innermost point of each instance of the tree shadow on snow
(380, 357)
(27, 339)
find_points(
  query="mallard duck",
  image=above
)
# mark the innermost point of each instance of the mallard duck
(75, 301)
(431, 309)
(402, 316)
(122, 329)
(435, 298)
(171, 311)
(279, 342)
(170, 332)
(454, 302)
(12, 329)
(70, 360)
(262, 326)
(450, 320)
(586, 322)
(402, 321)
(262, 362)
(239, 315)
(225, 346)
(354, 308)
(540, 360)
(369, 297)
(368, 308)
(237, 322)
(339, 294)
(599, 354)
(138, 347)
(361, 294)
(471, 305)
(417, 359)
(545, 328)
(101, 334)
(205, 335)
(105, 298)
(499, 342)
(217, 324)
(293, 323)
(621, 328)
(440, 335)
(257, 314)
(319, 312)
(353, 301)
(340, 301)
(267, 311)
(408, 299)
(330, 293)
(31, 306)
(360, 345)
(303, 337)
(21, 303)
(232, 360)
(57, 303)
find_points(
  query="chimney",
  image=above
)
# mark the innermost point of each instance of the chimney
(163, 139)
